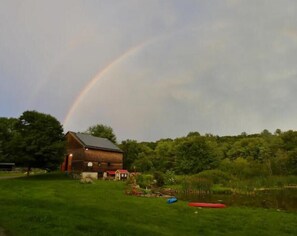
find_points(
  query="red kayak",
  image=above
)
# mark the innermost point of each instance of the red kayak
(204, 204)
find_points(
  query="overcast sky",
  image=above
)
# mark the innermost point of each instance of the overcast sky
(152, 69)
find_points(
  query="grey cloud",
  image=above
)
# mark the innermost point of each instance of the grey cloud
(213, 66)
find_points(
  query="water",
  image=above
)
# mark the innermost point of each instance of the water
(284, 199)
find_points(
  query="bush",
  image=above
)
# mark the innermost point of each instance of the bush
(185, 183)
(201, 184)
(170, 177)
(216, 176)
(160, 179)
(144, 181)
(196, 183)
(244, 169)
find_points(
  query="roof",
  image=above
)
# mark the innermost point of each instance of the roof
(92, 142)
(122, 171)
(7, 164)
(110, 172)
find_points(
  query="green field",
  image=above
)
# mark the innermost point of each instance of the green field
(53, 204)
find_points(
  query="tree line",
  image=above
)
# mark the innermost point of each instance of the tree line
(244, 155)
(37, 140)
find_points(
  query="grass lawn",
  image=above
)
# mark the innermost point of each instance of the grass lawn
(4, 174)
(53, 204)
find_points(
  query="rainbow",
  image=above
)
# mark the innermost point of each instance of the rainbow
(113, 63)
(103, 72)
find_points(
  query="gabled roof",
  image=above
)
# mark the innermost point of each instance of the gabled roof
(122, 171)
(92, 142)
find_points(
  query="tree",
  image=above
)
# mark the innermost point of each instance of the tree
(265, 132)
(194, 155)
(102, 131)
(145, 158)
(193, 134)
(165, 156)
(40, 141)
(131, 150)
(7, 132)
(254, 148)
(143, 164)
(278, 132)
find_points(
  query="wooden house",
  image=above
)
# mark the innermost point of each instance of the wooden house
(87, 153)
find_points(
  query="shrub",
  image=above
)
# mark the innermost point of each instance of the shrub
(185, 183)
(216, 176)
(201, 184)
(144, 181)
(195, 183)
(159, 177)
(243, 168)
(170, 177)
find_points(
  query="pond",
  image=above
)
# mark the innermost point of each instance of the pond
(284, 199)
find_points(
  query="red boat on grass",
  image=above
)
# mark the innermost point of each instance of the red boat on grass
(209, 205)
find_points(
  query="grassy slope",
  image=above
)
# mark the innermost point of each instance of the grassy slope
(55, 205)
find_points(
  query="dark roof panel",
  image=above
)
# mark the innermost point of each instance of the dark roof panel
(90, 141)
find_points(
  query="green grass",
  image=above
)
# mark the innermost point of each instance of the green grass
(10, 174)
(53, 204)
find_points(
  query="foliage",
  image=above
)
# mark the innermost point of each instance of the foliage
(194, 182)
(201, 183)
(145, 180)
(143, 164)
(138, 156)
(242, 168)
(194, 155)
(216, 176)
(169, 177)
(255, 148)
(165, 155)
(159, 178)
(131, 150)
(102, 131)
(193, 134)
(145, 159)
(243, 156)
(7, 133)
(37, 140)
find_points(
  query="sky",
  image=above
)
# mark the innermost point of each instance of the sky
(152, 69)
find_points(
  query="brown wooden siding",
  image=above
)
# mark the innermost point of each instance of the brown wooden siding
(102, 160)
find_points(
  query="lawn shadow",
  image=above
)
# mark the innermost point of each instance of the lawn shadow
(47, 176)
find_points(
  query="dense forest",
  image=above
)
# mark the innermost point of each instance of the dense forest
(242, 156)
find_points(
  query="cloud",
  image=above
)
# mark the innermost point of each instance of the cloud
(219, 67)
